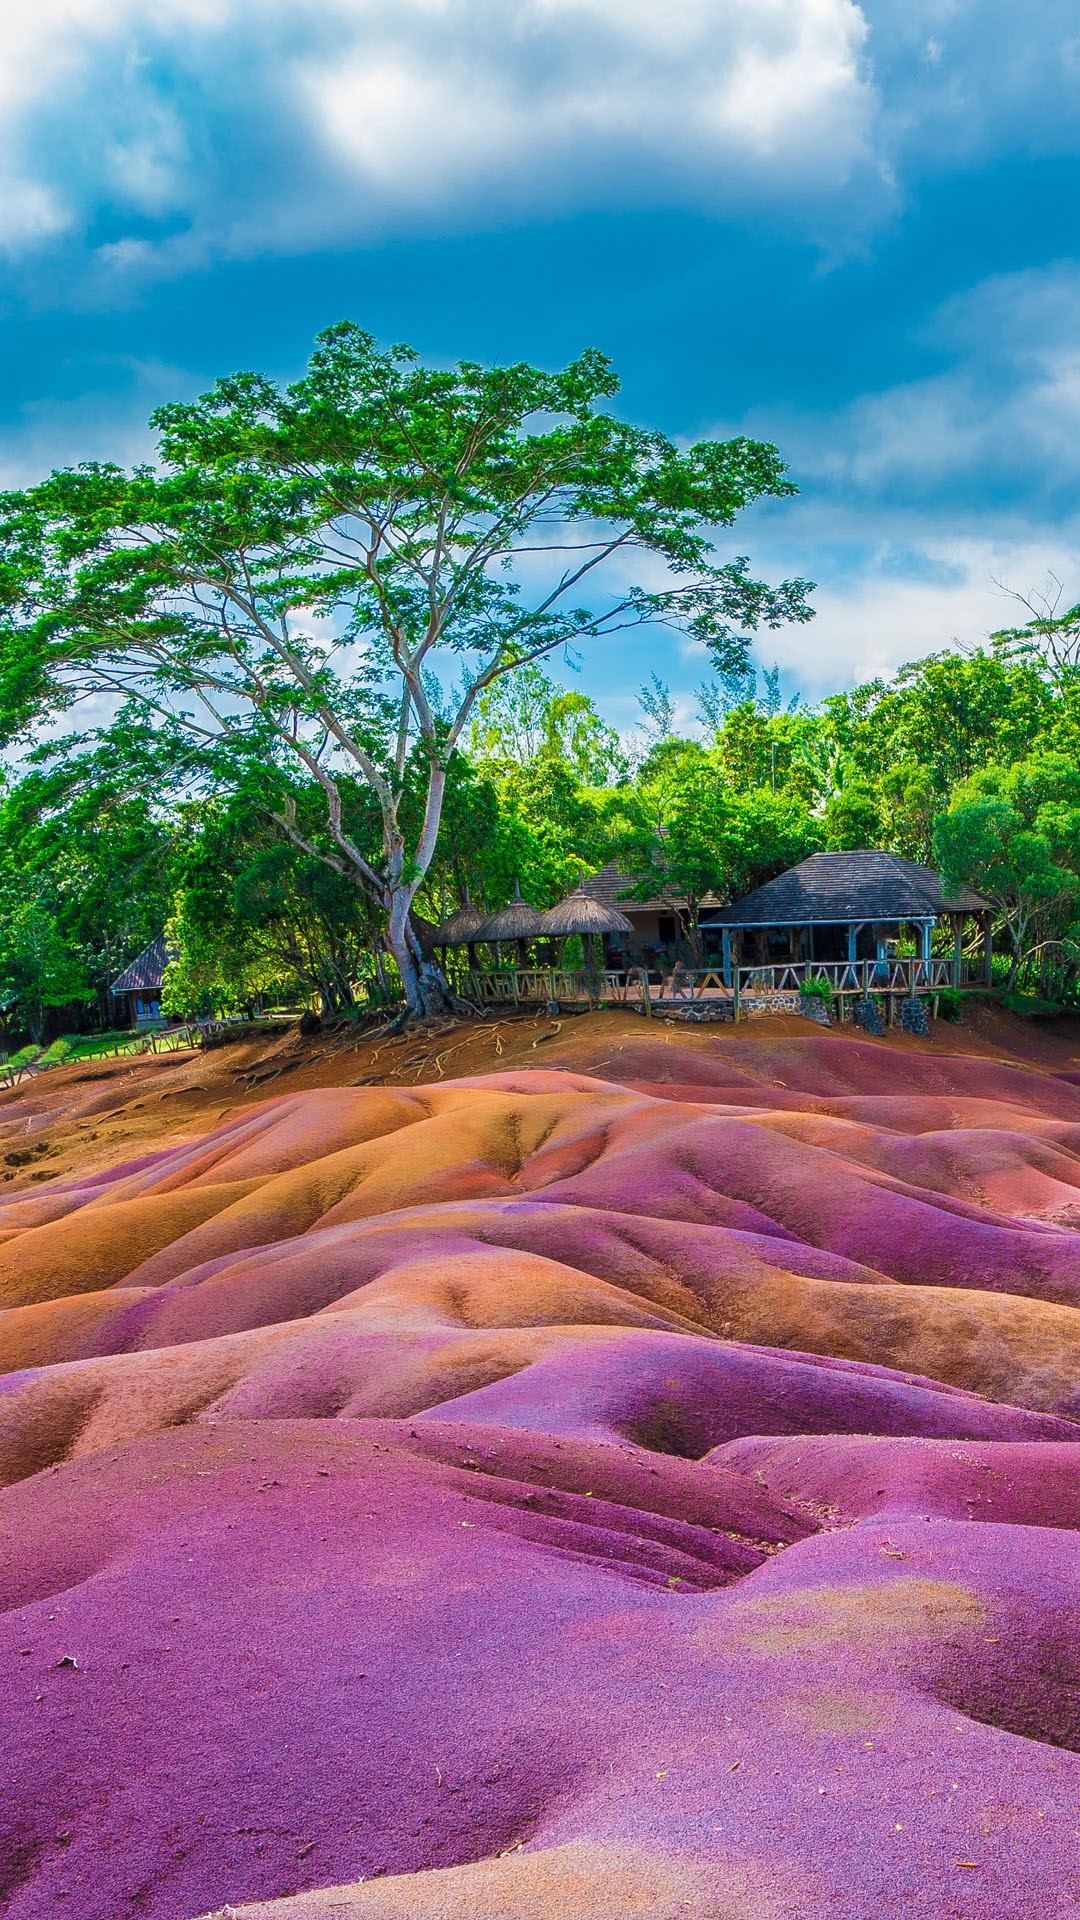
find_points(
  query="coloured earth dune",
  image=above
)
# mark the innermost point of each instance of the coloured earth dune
(637, 1486)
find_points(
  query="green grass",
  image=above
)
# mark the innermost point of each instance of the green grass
(25, 1057)
(1031, 1006)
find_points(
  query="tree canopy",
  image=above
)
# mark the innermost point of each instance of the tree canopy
(329, 577)
(335, 627)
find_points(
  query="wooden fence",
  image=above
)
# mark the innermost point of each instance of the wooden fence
(532, 986)
(681, 986)
(194, 1033)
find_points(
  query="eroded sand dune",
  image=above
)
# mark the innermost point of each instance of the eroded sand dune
(550, 1496)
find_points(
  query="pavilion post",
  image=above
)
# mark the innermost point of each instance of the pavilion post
(988, 950)
(957, 949)
(726, 937)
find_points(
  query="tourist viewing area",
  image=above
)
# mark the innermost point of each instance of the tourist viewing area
(841, 930)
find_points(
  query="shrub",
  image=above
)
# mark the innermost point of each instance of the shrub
(1029, 1006)
(950, 1003)
(57, 1053)
(818, 989)
(25, 1057)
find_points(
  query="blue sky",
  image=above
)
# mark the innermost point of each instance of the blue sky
(851, 229)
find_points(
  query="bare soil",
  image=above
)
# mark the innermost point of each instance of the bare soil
(90, 1116)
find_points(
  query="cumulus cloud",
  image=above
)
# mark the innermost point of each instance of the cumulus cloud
(240, 124)
(1005, 413)
(437, 97)
(920, 502)
(261, 120)
(872, 620)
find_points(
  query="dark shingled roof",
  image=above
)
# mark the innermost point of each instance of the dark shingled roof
(147, 970)
(848, 886)
(609, 886)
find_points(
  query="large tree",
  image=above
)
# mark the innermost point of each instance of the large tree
(301, 562)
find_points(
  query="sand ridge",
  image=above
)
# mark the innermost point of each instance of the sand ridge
(644, 1481)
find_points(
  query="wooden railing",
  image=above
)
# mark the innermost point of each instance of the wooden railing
(528, 986)
(851, 976)
(194, 1033)
(652, 987)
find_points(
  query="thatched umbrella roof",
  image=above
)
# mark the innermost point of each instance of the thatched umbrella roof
(460, 929)
(580, 914)
(517, 921)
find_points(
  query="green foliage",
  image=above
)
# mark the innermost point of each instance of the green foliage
(853, 818)
(287, 578)
(818, 988)
(25, 1057)
(57, 1052)
(950, 1003)
(38, 968)
(281, 607)
(1034, 1006)
(701, 836)
(983, 841)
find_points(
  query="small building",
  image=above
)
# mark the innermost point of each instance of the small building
(140, 983)
(656, 927)
(847, 907)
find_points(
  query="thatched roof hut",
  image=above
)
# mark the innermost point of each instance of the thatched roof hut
(517, 921)
(846, 907)
(582, 914)
(460, 929)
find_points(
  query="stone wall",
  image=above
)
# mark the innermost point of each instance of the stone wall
(914, 1017)
(755, 1005)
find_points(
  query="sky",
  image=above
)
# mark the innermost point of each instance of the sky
(850, 229)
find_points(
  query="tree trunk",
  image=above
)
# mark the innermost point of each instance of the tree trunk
(426, 990)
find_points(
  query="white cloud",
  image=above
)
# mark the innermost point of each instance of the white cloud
(916, 501)
(1006, 409)
(339, 116)
(289, 122)
(870, 620)
(436, 98)
(29, 214)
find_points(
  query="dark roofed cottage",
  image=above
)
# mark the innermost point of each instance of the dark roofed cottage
(843, 907)
(140, 983)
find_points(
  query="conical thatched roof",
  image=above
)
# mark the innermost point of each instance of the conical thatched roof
(518, 921)
(578, 913)
(460, 929)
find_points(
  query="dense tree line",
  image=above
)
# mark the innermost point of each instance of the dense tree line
(969, 761)
(322, 622)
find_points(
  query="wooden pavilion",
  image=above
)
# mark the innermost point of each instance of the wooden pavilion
(846, 908)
